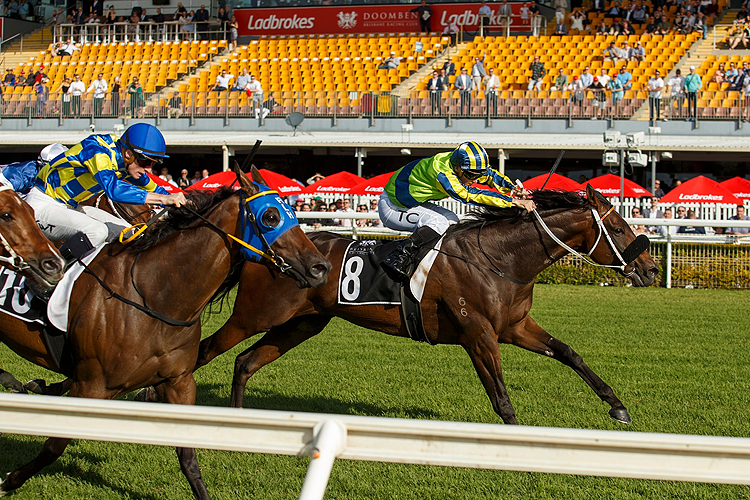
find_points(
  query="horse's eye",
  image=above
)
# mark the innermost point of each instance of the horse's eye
(271, 218)
(618, 230)
(6, 216)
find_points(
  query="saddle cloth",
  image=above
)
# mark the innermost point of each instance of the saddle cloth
(363, 281)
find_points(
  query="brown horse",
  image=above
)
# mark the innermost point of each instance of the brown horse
(25, 250)
(177, 267)
(466, 300)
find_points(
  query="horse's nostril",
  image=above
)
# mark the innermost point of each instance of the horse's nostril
(52, 266)
(318, 270)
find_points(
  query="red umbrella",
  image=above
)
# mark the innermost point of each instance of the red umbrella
(373, 185)
(609, 185)
(557, 182)
(216, 181)
(281, 183)
(738, 186)
(336, 183)
(700, 189)
(161, 182)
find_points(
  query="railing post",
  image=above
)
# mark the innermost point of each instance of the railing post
(192, 109)
(31, 109)
(669, 259)
(411, 108)
(335, 102)
(226, 108)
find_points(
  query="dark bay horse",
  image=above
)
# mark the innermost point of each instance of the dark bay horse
(25, 250)
(176, 268)
(464, 302)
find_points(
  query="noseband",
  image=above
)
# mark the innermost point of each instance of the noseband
(15, 261)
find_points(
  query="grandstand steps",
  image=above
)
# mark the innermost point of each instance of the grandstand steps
(418, 76)
(165, 92)
(33, 43)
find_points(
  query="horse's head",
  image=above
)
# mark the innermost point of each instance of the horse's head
(614, 243)
(26, 250)
(270, 225)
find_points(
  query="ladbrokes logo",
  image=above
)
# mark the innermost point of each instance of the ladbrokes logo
(347, 20)
(275, 23)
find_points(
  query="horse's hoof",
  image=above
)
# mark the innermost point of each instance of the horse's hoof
(36, 386)
(620, 414)
(146, 395)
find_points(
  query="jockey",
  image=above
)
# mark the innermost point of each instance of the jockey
(21, 176)
(405, 204)
(99, 163)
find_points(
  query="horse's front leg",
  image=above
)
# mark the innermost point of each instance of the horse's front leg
(480, 342)
(530, 336)
(181, 390)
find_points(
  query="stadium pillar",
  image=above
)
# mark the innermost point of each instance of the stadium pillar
(226, 152)
(360, 154)
(501, 160)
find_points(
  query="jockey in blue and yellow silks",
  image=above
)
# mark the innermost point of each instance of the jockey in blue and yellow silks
(405, 204)
(99, 163)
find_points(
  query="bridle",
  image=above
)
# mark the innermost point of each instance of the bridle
(602, 230)
(15, 260)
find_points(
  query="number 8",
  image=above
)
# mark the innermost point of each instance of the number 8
(352, 270)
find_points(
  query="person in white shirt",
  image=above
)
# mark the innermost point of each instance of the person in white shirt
(222, 81)
(255, 90)
(586, 78)
(67, 49)
(478, 72)
(242, 81)
(576, 89)
(491, 89)
(99, 87)
(344, 205)
(77, 88)
(676, 85)
(604, 78)
(655, 86)
(464, 84)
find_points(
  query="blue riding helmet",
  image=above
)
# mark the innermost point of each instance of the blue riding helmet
(471, 158)
(145, 140)
(258, 206)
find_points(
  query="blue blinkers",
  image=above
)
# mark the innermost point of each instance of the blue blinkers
(254, 231)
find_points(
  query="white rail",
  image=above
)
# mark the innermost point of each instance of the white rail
(325, 437)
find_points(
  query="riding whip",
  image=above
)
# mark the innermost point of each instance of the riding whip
(554, 167)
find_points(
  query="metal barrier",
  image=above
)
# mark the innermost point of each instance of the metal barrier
(325, 437)
(149, 31)
(721, 105)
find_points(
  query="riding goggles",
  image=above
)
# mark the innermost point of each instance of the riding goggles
(146, 162)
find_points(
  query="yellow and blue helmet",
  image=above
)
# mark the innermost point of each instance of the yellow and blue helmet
(471, 158)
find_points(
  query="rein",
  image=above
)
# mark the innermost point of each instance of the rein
(15, 260)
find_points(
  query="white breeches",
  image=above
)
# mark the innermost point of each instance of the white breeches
(59, 222)
(409, 219)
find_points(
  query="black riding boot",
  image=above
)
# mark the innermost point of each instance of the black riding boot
(400, 263)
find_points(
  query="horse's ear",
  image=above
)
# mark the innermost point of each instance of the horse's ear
(244, 181)
(596, 199)
(257, 177)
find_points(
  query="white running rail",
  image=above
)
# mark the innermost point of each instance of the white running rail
(326, 437)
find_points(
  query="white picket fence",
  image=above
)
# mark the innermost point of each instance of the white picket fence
(325, 437)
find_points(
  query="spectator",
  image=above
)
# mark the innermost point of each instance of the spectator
(742, 79)
(66, 49)
(626, 29)
(559, 15)
(201, 19)
(10, 78)
(222, 81)
(561, 81)
(537, 75)
(135, 91)
(188, 24)
(424, 12)
(268, 106)
(600, 99)
(742, 15)
(613, 53)
(485, 14)
(720, 74)
(691, 229)
(464, 84)
(578, 20)
(435, 86)
(739, 217)
(449, 67)
(691, 87)
(40, 75)
(537, 19)
(663, 28)
(638, 13)
(603, 29)
(242, 81)
(665, 230)
(614, 85)
(676, 98)
(576, 92)
(64, 90)
(452, 30)
(681, 212)
(29, 81)
(732, 74)
(174, 108)
(491, 89)
(77, 88)
(635, 213)
(655, 86)
(586, 78)
(343, 206)
(560, 29)
(652, 27)
(603, 77)
(196, 177)
(205, 173)
(737, 34)
(615, 10)
(362, 222)
(99, 87)
(478, 73)
(255, 90)
(597, 6)
(525, 14)
(504, 15)
(653, 213)
(391, 62)
(658, 190)
(626, 79)
(42, 95)
(638, 53)
(234, 30)
(115, 93)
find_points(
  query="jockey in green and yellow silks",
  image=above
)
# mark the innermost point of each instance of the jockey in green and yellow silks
(406, 203)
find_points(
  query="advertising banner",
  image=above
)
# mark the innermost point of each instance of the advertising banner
(357, 19)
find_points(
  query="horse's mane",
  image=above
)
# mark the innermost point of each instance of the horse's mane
(544, 200)
(179, 218)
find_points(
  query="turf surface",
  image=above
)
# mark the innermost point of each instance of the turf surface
(676, 358)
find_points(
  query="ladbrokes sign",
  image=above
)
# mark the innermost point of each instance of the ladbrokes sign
(354, 19)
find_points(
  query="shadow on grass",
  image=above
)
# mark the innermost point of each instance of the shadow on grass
(17, 452)
(261, 399)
